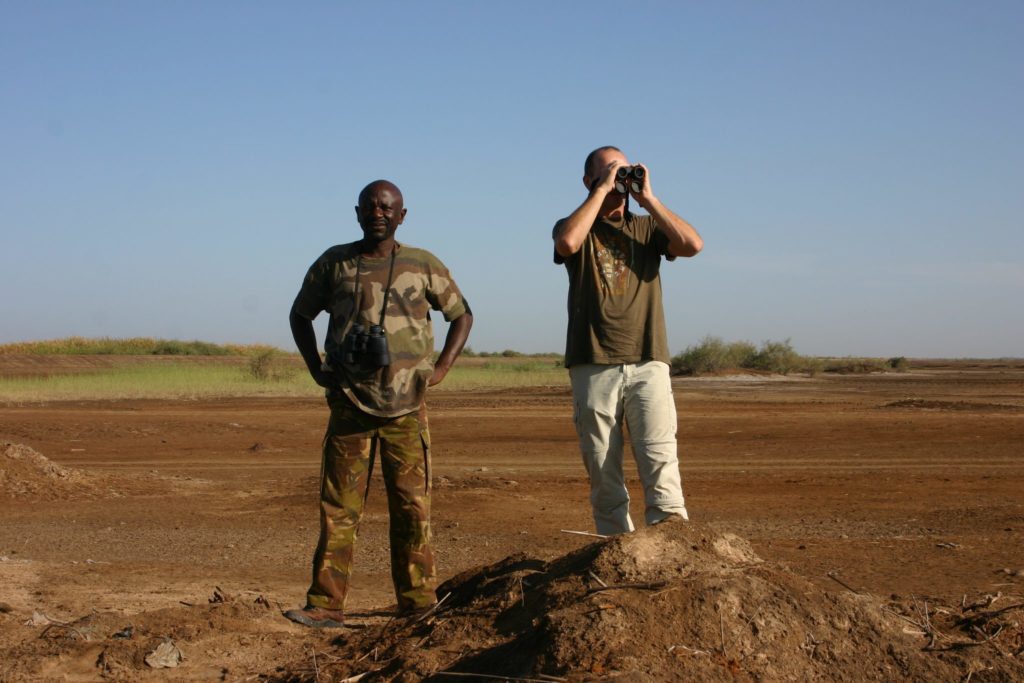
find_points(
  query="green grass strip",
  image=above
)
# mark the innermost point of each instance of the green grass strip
(183, 380)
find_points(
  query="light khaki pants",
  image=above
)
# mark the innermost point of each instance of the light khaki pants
(639, 394)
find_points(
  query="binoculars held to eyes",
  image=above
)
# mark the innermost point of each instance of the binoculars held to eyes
(365, 348)
(629, 179)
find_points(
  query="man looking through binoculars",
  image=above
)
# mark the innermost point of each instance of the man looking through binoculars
(379, 347)
(616, 344)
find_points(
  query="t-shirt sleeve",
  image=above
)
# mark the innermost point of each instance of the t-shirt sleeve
(559, 259)
(314, 295)
(442, 292)
(660, 240)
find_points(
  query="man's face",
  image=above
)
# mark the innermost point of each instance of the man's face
(600, 162)
(614, 204)
(380, 212)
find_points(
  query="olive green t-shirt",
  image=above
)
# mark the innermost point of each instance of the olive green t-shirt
(419, 283)
(615, 306)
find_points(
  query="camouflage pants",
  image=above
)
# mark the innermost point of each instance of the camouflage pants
(403, 455)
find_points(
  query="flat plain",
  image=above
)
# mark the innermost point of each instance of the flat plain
(899, 485)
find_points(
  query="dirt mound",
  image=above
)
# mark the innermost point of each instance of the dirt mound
(28, 474)
(673, 602)
(119, 647)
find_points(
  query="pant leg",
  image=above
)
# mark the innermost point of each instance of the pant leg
(651, 415)
(597, 395)
(405, 465)
(343, 482)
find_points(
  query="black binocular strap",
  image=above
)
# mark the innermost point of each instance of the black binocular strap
(387, 287)
(383, 311)
(369, 469)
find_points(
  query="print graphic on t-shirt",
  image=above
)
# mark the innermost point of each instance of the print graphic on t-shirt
(613, 256)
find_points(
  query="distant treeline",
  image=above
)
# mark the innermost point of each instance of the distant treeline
(713, 355)
(134, 346)
(468, 352)
(710, 356)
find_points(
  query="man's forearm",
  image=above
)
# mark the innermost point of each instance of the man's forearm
(305, 340)
(454, 341)
(683, 240)
(577, 226)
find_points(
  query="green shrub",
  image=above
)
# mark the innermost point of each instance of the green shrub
(898, 363)
(132, 346)
(812, 366)
(855, 366)
(174, 347)
(712, 354)
(777, 357)
(270, 364)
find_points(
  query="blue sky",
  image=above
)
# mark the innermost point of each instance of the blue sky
(172, 169)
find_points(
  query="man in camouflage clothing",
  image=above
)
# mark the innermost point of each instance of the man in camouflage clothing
(376, 399)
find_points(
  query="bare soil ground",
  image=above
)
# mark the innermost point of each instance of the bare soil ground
(843, 528)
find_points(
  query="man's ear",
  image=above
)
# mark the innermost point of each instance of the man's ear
(401, 216)
(357, 214)
(589, 184)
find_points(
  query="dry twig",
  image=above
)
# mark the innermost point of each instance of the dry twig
(721, 628)
(987, 601)
(384, 629)
(648, 585)
(459, 674)
(834, 576)
(583, 533)
(430, 612)
(751, 619)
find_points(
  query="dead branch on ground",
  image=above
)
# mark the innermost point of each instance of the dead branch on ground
(834, 575)
(643, 585)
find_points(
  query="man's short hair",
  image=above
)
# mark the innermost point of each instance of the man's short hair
(590, 157)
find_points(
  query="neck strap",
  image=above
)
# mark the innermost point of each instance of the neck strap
(387, 287)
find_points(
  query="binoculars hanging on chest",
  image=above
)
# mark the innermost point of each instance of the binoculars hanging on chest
(367, 348)
(629, 179)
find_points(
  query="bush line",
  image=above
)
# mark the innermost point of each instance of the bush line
(133, 346)
(713, 355)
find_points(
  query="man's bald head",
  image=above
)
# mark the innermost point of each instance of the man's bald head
(379, 185)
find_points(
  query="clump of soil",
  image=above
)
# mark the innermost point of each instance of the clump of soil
(677, 601)
(119, 647)
(27, 474)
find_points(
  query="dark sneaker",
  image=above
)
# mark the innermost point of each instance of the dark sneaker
(317, 617)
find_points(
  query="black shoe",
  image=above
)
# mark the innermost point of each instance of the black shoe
(317, 617)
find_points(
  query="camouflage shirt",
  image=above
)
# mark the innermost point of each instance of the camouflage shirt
(420, 282)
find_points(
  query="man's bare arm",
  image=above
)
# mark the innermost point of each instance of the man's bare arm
(572, 232)
(683, 240)
(305, 340)
(454, 341)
